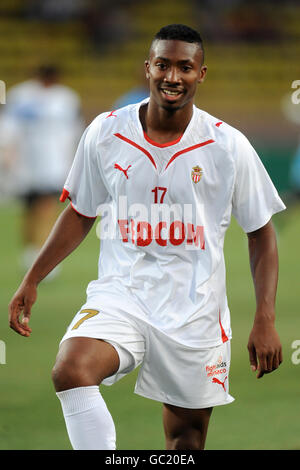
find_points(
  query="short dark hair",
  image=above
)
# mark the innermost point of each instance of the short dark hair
(179, 32)
(48, 71)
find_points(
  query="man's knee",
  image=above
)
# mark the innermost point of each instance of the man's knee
(186, 440)
(69, 373)
(82, 362)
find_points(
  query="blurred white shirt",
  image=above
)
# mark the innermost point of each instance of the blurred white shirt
(40, 127)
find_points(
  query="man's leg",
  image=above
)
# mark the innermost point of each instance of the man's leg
(81, 365)
(43, 214)
(39, 215)
(185, 429)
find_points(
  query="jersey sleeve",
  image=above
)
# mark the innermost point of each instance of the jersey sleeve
(255, 198)
(84, 185)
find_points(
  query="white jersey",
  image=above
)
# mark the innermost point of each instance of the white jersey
(171, 205)
(44, 126)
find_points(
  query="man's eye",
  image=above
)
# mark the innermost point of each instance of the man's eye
(161, 66)
(186, 68)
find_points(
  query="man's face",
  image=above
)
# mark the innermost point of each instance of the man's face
(174, 69)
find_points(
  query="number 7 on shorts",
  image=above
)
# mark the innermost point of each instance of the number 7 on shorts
(89, 314)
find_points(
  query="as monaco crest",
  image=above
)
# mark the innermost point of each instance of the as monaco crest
(196, 174)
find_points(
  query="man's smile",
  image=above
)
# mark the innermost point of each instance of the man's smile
(171, 94)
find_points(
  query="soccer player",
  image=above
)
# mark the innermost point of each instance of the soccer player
(166, 177)
(40, 129)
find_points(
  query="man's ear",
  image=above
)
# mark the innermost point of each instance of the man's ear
(202, 74)
(147, 65)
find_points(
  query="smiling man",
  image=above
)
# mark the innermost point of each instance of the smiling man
(173, 175)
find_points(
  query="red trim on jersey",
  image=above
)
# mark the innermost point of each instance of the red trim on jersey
(167, 144)
(188, 149)
(137, 146)
(86, 216)
(224, 336)
(64, 195)
(219, 123)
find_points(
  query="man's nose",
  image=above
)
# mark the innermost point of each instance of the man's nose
(172, 75)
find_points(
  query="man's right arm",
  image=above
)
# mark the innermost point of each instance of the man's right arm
(68, 232)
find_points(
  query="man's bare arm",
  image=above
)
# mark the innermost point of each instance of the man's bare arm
(68, 232)
(265, 352)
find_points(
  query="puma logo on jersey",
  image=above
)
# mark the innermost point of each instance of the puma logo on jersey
(111, 114)
(118, 167)
(217, 381)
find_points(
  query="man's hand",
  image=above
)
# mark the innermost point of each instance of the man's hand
(20, 306)
(265, 352)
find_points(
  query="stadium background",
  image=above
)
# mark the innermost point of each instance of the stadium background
(252, 53)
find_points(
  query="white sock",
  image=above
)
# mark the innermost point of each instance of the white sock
(89, 423)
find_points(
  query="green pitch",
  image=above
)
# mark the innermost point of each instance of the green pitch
(265, 414)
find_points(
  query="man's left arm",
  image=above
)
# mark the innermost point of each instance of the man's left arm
(265, 351)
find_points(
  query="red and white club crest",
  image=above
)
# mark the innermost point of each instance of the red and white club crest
(196, 174)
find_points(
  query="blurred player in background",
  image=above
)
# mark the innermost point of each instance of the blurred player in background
(135, 94)
(40, 128)
(173, 175)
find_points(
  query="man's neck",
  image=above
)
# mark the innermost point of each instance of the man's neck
(162, 125)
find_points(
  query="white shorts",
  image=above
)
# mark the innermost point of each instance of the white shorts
(170, 372)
